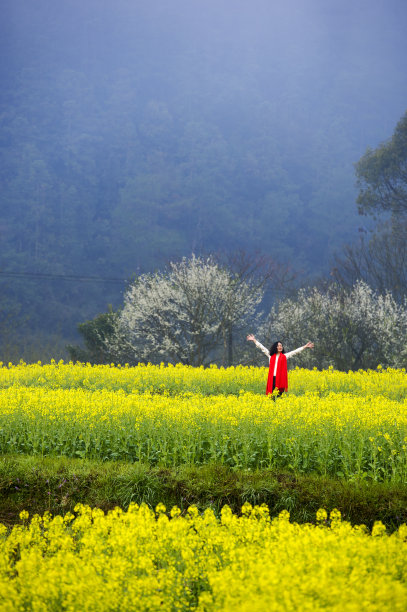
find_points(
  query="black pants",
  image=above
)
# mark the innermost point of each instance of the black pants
(280, 391)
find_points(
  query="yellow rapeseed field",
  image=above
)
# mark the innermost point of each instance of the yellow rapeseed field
(348, 425)
(206, 381)
(141, 560)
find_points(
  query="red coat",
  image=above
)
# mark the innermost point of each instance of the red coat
(281, 374)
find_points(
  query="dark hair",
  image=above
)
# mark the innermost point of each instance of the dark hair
(273, 348)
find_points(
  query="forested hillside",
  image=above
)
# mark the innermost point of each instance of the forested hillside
(133, 133)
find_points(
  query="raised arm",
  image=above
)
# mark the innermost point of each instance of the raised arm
(298, 350)
(251, 338)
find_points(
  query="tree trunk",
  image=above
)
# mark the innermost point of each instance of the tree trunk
(230, 345)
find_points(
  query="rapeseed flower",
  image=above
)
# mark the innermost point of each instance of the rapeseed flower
(144, 560)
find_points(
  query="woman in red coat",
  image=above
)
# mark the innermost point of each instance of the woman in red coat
(277, 377)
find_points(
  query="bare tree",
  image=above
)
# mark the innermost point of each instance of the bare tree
(259, 270)
(380, 261)
(253, 273)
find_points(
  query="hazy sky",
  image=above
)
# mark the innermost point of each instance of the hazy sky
(301, 87)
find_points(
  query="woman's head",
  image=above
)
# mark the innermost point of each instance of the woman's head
(277, 347)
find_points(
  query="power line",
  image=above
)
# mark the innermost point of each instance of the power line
(88, 279)
(66, 277)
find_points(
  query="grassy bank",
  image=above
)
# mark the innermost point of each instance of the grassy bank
(58, 484)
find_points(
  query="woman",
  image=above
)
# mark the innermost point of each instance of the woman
(277, 377)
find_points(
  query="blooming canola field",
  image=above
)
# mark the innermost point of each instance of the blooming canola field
(146, 560)
(351, 425)
(346, 425)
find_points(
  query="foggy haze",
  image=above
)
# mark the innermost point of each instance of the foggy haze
(134, 132)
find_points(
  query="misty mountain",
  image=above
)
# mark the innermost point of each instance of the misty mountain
(135, 132)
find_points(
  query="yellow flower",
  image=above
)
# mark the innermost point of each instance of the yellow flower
(321, 515)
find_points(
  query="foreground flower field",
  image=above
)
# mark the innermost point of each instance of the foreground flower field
(141, 560)
(348, 426)
(344, 425)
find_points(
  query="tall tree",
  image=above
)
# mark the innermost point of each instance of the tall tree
(381, 259)
(250, 272)
(382, 175)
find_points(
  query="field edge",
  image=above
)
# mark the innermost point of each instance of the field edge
(57, 484)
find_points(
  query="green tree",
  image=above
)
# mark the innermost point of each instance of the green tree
(380, 259)
(97, 335)
(382, 175)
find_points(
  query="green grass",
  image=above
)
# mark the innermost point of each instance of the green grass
(58, 484)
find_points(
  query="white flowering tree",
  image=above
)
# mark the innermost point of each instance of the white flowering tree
(187, 314)
(352, 329)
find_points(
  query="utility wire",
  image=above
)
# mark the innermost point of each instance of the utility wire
(87, 279)
(68, 277)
